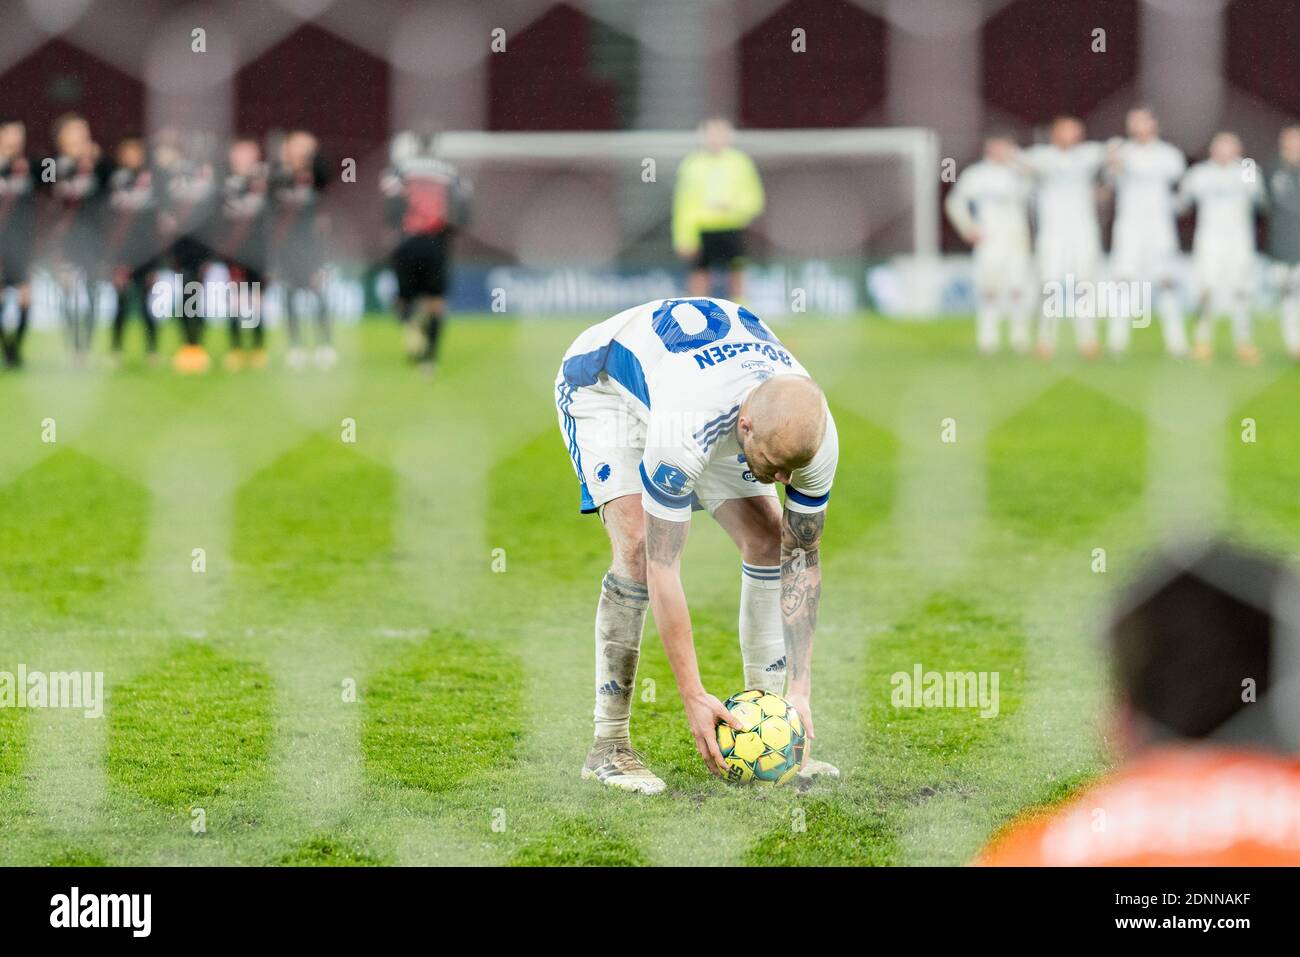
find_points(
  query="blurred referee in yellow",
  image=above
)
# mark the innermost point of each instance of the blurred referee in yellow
(718, 195)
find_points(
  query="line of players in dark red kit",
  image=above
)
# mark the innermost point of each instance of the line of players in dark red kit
(167, 207)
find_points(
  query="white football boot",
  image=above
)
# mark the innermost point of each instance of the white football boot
(616, 764)
(813, 769)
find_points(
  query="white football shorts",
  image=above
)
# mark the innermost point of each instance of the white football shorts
(1001, 267)
(1223, 267)
(1062, 254)
(605, 433)
(1144, 251)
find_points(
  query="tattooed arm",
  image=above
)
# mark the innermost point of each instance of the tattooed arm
(801, 592)
(664, 542)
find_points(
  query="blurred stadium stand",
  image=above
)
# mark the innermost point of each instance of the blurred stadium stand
(355, 73)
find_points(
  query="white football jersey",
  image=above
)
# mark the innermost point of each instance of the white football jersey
(1145, 180)
(1225, 198)
(1065, 195)
(995, 198)
(685, 366)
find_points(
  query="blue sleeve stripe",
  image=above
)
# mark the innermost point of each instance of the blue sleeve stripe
(719, 431)
(809, 501)
(712, 423)
(614, 359)
(625, 369)
(662, 497)
(586, 368)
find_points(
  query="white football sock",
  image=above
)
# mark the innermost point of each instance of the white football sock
(620, 617)
(1171, 323)
(1119, 329)
(1085, 328)
(986, 327)
(762, 636)
(1241, 325)
(1204, 331)
(1018, 308)
(1047, 325)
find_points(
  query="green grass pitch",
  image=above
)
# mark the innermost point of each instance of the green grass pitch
(231, 735)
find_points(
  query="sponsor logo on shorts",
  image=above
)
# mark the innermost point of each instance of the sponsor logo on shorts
(747, 475)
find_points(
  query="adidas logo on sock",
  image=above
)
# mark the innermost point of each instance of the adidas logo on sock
(778, 665)
(611, 687)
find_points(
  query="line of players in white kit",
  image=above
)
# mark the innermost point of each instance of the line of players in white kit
(1063, 181)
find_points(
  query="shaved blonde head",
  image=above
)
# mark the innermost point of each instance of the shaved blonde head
(781, 426)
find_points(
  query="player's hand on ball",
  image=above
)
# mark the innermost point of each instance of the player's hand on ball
(703, 713)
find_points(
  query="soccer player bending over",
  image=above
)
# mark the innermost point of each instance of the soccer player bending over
(693, 404)
(1226, 193)
(988, 205)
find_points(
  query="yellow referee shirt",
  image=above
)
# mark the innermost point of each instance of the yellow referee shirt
(715, 191)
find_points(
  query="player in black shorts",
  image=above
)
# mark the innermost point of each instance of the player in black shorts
(426, 200)
(717, 195)
(296, 186)
(80, 193)
(132, 241)
(240, 241)
(722, 249)
(190, 190)
(17, 229)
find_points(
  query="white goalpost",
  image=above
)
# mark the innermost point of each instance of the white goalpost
(573, 200)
